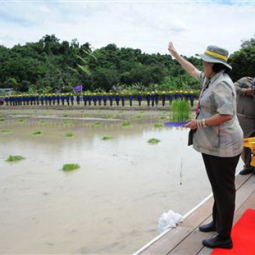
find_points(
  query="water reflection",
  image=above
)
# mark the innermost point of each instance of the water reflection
(111, 205)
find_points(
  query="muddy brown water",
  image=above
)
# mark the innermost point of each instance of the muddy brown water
(112, 203)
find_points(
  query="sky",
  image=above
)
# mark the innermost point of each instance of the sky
(146, 25)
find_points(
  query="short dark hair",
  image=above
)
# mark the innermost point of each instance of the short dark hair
(217, 67)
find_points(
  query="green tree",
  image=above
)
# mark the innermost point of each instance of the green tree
(104, 79)
(50, 65)
(243, 61)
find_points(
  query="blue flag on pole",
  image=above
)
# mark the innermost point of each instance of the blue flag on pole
(78, 88)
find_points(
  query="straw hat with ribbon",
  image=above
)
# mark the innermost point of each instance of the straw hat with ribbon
(215, 54)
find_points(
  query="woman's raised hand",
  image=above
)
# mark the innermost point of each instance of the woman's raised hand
(172, 50)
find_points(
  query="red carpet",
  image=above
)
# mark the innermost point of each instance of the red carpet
(243, 235)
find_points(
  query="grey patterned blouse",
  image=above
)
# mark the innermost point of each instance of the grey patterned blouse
(226, 139)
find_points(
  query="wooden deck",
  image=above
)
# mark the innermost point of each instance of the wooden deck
(186, 239)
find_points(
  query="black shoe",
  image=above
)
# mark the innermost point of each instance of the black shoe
(208, 227)
(246, 170)
(216, 242)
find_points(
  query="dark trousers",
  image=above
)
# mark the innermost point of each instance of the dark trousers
(221, 174)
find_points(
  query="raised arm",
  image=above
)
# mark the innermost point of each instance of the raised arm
(186, 65)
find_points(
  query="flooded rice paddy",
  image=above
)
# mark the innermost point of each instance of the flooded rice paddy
(112, 203)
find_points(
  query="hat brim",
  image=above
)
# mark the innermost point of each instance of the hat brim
(207, 58)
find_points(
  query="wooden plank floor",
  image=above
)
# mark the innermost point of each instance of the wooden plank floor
(186, 239)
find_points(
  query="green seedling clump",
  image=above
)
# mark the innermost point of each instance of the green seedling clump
(126, 124)
(6, 131)
(37, 133)
(14, 158)
(97, 124)
(70, 167)
(105, 138)
(69, 134)
(158, 125)
(180, 110)
(153, 141)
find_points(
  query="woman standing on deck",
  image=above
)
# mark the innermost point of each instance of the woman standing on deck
(218, 136)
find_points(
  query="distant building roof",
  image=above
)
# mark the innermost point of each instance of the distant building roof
(4, 91)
